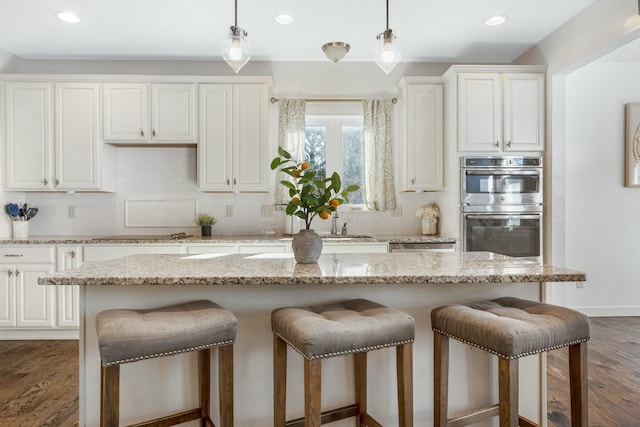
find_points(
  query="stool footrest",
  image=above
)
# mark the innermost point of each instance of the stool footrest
(329, 416)
(475, 416)
(171, 420)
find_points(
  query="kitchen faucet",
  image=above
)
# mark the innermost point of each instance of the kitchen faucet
(344, 229)
(334, 223)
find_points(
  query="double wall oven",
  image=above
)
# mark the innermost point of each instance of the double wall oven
(502, 205)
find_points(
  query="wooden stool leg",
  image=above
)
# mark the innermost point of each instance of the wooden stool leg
(312, 393)
(279, 381)
(225, 386)
(110, 396)
(508, 391)
(404, 373)
(440, 379)
(204, 383)
(578, 384)
(360, 370)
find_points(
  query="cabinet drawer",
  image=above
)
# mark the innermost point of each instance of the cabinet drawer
(27, 254)
(105, 253)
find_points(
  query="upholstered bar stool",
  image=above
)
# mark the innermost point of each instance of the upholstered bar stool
(348, 327)
(126, 336)
(510, 328)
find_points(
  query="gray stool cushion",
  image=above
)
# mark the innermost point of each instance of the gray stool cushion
(342, 327)
(511, 327)
(128, 335)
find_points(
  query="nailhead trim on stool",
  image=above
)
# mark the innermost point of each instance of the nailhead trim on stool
(126, 336)
(339, 329)
(509, 328)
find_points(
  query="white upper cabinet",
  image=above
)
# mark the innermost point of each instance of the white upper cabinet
(52, 137)
(500, 112)
(232, 149)
(423, 140)
(150, 113)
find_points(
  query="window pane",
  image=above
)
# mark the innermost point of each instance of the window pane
(353, 161)
(315, 148)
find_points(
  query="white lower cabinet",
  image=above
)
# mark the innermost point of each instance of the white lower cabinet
(68, 297)
(355, 248)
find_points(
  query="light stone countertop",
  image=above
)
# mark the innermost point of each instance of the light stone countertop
(281, 269)
(258, 238)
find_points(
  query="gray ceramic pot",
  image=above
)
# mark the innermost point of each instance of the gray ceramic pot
(307, 247)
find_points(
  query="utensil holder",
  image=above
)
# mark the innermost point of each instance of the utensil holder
(20, 230)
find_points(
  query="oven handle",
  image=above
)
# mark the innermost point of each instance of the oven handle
(505, 216)
(531, 172)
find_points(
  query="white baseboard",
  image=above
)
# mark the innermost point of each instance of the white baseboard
(39, 334)
(609, 311)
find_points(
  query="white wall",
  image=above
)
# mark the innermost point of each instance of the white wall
(141, 170)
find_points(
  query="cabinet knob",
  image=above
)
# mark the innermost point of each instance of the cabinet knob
(153, 133)
(227, 181)
(142, 133)
(73, 254)
(45, 182)
(497, 144)
(57, 182)
(413, 181)
(234, 181)
(10, 273)
(17, 272)
(509, 144)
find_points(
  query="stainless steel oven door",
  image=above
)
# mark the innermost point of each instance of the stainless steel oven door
(487, 187)
(518, 235)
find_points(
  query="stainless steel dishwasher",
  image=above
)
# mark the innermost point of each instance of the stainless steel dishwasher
(422, 247)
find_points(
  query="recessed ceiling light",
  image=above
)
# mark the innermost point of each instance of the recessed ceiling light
(494, 21)
(283, 18)
(68, 17)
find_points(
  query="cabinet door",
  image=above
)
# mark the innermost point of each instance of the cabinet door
(173, 112)
(250, 157)
(76, 136)
(215, 142)
(523, 112)
(424, 151)
(126, 112)
(68, 297)
(34, 303)
(28, 135)
(479, 112)
(7, 297)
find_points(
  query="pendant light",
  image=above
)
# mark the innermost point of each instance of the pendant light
(236, 49)
(387, 51)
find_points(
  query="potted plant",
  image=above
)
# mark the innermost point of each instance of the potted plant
(206, 222)
(429, 218)
(310, 197)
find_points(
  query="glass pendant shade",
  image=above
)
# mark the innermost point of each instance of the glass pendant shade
(387, 52)
(236, 49)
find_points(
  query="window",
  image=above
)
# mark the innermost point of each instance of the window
(336, 143)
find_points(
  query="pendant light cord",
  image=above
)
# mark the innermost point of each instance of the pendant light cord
(236, 14)
(388, 13)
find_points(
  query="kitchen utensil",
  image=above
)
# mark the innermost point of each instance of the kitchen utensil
(14, 210)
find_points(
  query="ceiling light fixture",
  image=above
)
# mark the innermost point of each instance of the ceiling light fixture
(68, 17)
(236, 49)
(335, 51)
(494, 21)
(283, 19)
(387, 51)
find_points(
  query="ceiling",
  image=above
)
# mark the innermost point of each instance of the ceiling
(430, 30)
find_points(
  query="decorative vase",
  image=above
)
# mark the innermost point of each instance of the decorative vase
(429, 226)
(20, 229)
(307, 247)
(206, 230)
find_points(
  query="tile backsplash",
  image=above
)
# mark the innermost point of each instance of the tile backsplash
(152, 179)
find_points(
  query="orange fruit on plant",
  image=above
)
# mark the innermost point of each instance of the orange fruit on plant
(304, 165)
(295, 173)
(324, 214)
(295, 199)
(335, 203)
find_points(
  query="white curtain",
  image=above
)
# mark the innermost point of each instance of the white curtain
(291, 135)
(379, 188)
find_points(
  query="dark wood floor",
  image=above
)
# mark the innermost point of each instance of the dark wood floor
(39, 379)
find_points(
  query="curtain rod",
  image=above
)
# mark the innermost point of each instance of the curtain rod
(274, 100)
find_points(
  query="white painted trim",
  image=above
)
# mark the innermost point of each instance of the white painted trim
(610, 311)
(39, 334)
(105, 78)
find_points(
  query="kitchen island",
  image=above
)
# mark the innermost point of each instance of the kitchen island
(252, 285)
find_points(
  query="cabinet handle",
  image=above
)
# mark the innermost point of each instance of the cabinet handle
(142, 133)
(227, 181)
(153, 133)
(234, 181)
(57, 182)
(10, 273)
(73, 254)
(13, 255)
(497, 144)
(413, 181)
(17, 272)
(45, 182)
(509, 144)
